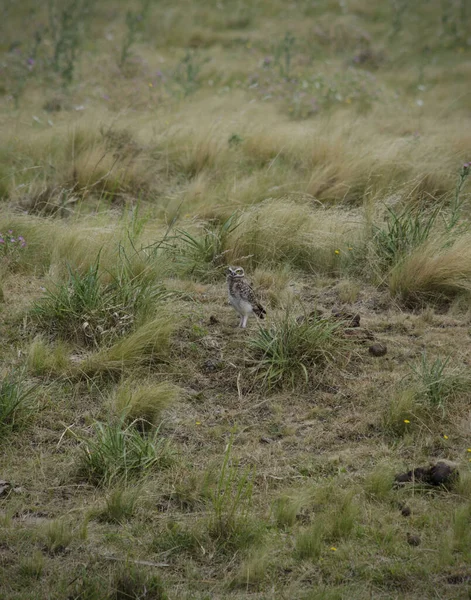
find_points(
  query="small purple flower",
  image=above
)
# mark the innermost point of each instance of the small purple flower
(10, 232)
(2, 241)
(30, 61)
(23, 244)
(12, 240)
(21, 238)
(467, 165)
(159, 74)
(267, 60)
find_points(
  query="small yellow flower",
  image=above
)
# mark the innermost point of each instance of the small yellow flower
(248, 45)
(337, 251)
(406, 421)
(350, 248)
(469, 449)
(198, 423)
(445, 437)
(348, 100)
(334, 549)
(151, 85)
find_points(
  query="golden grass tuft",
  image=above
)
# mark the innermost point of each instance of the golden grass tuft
(144, 402)
(150, 343)
(438, 269)
(282, 231)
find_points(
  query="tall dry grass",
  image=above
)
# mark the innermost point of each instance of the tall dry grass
(438, 269)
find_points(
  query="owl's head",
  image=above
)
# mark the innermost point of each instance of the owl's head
(235, 272)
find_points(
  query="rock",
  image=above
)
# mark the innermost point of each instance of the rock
(377, 350)
(413, 540)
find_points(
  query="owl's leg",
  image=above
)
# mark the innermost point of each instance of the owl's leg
(243, 322)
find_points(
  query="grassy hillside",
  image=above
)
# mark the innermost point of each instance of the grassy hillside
(149, 448)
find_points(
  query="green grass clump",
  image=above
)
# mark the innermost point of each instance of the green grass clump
(120, 506)
(437, 383)
(202, 256)
(91, 312)
(136, 584)
(231, 524)
(118, 452)
(309, 543)
(291, 353)
(16, 403)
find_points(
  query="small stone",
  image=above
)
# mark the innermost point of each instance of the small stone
(413, 540)
(405, 511)
(265, 440)
(377, 350)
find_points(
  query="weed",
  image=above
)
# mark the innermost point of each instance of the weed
(435, 382)
(342, 520)
(65, 24)
(308, 543)
(283, 54)
(379, 483)
(137, 584)
(457, 202)
(202, 256)
(252, 572)
(44, 359)
(285, 511)
(16, 402)
(291, 352)
(231, 501)
(120, 506)
(134, 22)
(58, 536)
(187, 73)
(403, 232)
(119, 452)
(402, 410)
(11, 249)
(32, 567)
(175, 539)
(462, 529)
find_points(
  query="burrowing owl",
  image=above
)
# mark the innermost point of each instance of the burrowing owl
(242, 296)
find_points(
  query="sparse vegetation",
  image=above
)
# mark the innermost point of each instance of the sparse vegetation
(150, 449)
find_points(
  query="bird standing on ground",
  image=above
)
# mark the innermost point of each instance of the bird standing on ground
(242, 296)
